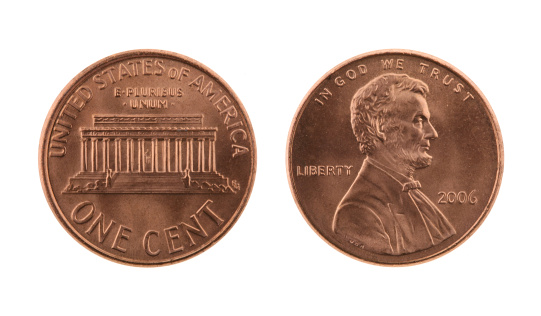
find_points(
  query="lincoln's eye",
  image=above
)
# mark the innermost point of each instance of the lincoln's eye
(419, 120)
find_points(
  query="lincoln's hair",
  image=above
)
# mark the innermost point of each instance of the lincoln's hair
(374, 105)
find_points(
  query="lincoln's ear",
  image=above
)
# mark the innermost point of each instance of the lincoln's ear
(379, 133)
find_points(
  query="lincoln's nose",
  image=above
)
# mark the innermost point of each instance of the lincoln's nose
(430, 131)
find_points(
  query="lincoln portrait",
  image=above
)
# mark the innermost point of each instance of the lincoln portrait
(384, 211)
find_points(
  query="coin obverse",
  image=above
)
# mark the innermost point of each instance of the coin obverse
(394, 157)
(147, 158)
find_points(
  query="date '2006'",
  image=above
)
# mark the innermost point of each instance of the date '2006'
(461, 197)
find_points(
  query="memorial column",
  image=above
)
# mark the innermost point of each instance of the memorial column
(190, 155)
(213, 146)
(168, 154)
(128, 155)
(93, 155)
(178, 156)
(105, 146)
(118, 163)
(153, 154)
(140, 154)
(199, 154)
(83, 154)
(164, 156)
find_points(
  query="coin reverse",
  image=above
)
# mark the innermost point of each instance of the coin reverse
(147, 158)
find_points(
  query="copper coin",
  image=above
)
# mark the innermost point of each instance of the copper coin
(395, 157)
(147, 158)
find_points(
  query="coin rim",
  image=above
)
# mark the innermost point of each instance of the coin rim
(49, 124)
(495, 127)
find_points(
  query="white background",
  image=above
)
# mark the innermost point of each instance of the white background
(271, 262)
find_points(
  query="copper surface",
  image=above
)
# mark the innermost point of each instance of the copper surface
(147, 158)
(394, 157)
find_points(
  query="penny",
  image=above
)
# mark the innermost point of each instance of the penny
(394, 157)
(147, 158)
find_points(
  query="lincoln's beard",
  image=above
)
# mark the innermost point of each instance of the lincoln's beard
(408, 153)
(415, 158)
